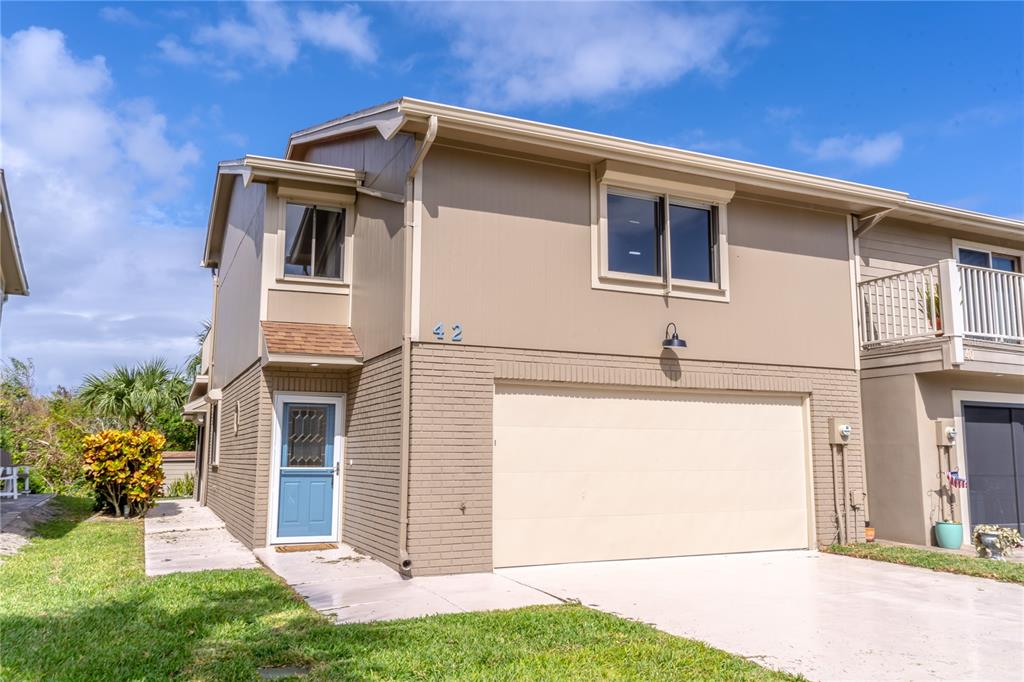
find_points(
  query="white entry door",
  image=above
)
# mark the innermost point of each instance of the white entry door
(587, 474)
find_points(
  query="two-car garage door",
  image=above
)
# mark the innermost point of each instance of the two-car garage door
(583, 474)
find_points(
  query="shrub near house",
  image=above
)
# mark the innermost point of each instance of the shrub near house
(124, 468)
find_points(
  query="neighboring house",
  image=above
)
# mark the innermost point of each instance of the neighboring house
(176, 465)
(445, 337)
(12, 270)
(942, 337)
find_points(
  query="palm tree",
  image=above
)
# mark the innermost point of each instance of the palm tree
(134, 396)
(195, 361)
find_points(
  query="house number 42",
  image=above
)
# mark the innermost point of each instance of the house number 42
(440, 331)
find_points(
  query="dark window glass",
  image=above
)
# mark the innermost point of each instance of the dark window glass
(1005, 263)
(307, 436)
(693, 243)
(971, 257)
(314, 241)
(214, 432)
(634, 235)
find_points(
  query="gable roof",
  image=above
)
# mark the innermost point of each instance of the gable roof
(408, 114)
(14, 280)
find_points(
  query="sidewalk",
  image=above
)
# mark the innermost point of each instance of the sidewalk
(182, 536)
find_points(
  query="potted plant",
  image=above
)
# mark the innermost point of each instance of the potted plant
(948, 534)
(996, 542)
(930, 304)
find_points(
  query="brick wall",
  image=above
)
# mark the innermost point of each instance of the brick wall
(373, 445)
(232, 487)
(450, 483)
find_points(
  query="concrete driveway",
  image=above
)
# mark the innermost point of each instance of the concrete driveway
(823, 616)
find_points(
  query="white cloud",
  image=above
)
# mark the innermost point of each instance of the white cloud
(113, 274)
(533, 53)
(122, 15)
(782, 114)
(270, 34)
(862, 150)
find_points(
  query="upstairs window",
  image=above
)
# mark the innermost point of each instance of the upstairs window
(989, 259)
(314, 241)
(647, 240)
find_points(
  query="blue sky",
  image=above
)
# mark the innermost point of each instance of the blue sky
(114, 116)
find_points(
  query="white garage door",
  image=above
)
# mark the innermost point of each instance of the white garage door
(583, 474)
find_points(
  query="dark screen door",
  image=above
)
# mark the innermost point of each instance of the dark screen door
(994, 440)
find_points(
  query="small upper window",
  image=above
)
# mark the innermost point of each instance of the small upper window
(314, 241)
(637, 241)
(989, 259)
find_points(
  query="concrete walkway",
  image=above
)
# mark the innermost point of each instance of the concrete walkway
(182, 536)
(18, 517)
(823, 616)
(353, 588)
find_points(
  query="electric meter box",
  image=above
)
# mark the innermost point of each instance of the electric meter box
(945, 432)
(839, 430)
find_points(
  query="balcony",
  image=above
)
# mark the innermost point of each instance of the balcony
(954, 308)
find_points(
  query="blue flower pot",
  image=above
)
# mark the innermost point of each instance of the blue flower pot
(949, 535)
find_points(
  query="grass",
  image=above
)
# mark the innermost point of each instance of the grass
(947, 562)
(76, 605)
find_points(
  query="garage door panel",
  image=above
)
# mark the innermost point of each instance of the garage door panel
(644, 492)
(584, 474)
(557, 449)
(630, 537)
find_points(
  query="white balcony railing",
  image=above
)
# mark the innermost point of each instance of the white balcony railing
(946, 299)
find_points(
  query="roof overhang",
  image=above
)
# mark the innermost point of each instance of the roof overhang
(199, 387)
(14, 280)
(301, 344)
(471, 127)
(265, 169)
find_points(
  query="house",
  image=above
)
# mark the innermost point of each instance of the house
(12, 270)
(459, 341)
(941, 297)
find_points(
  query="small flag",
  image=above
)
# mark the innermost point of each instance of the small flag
(955, 479)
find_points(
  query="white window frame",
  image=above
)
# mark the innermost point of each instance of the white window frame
(218, 418)
(989, 249)
(665, 285)
(301, 282)
(338, 400)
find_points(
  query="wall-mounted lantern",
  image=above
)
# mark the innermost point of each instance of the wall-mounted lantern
(673, 341)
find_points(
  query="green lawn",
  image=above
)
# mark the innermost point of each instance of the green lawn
(1006, 571)
(75, 604)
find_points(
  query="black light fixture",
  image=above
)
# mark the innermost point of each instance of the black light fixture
(673, 341)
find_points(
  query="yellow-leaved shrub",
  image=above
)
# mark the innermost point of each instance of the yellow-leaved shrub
(125, 468)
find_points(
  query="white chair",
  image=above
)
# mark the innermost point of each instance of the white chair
(9, 475)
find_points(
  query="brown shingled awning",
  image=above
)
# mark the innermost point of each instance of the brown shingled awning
(308, 343)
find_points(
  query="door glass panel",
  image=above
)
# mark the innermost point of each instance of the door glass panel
(972, 257)
(308, 435)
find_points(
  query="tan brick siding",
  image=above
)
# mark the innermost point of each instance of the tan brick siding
(450, 483)
(373, 443)
(232, 487)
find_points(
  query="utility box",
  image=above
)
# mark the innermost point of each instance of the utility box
(945, 432)
(839, 431)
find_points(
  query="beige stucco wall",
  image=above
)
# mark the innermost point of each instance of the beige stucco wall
(236, 339)
(450, 485)
(327, 306)
(506, 253)
(901, 454)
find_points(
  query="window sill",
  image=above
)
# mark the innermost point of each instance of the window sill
(650, 286)
(311, 283)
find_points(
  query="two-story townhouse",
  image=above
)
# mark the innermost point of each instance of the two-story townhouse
(941, 297)
(457, 340)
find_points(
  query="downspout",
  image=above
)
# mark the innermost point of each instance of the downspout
(413, 188)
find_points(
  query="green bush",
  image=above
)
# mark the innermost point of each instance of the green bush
(124, 468)
(183, 487)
